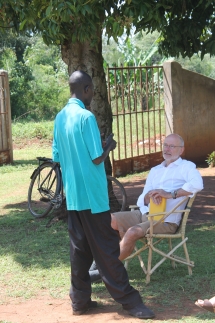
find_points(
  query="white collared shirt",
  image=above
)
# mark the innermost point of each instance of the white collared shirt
(178, 174)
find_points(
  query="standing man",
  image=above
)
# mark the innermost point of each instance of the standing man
(77, 146)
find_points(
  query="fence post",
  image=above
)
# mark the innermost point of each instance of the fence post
(6, 147)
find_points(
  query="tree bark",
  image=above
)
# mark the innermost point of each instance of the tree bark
(82, 56)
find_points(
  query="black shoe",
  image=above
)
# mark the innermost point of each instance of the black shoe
(95, 276)
(90, 304)
(93, 266)
(141, 312)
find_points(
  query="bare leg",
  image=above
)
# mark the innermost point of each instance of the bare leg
(128, 241)
(129, 238)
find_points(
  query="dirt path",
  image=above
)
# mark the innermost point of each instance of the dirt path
(45, 309)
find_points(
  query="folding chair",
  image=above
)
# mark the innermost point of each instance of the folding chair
(152, 245)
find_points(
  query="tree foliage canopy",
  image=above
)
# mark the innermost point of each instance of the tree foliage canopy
(37, 75)
(186, 26)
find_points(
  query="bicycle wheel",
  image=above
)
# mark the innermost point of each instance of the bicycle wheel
(44, 188)
(117, 195)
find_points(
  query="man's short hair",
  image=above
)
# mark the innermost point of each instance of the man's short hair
(78, 80)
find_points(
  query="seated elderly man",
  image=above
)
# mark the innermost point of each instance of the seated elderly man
(173, 179)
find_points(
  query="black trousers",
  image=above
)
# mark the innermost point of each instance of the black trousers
(92, 237)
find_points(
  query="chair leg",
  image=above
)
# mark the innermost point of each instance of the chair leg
(148, 274)
(140, 261)
(170, 248)
(187, 258)
(126, 264)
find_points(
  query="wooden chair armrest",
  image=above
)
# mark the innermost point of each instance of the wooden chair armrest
(163, 213)
(154, 214)
(133, 207)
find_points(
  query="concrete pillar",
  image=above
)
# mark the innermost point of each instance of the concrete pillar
(190, 109)
(172, 78)
(6, 147)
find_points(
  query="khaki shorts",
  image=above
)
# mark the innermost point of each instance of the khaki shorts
(128, 219)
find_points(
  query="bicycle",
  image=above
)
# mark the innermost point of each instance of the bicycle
(46, 193)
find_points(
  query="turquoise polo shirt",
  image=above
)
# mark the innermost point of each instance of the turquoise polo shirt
(76, 143)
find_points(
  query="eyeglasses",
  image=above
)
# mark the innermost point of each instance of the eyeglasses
(170, 146)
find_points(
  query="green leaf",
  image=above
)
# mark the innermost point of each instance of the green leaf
(22, 24)
(48, 10)
(115, 27)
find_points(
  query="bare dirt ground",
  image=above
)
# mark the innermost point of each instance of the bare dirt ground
(44, 309)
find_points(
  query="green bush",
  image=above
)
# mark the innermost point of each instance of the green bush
(211, 159)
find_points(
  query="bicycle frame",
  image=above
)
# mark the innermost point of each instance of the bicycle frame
(47, 188)
(58, 200)
(47, 178)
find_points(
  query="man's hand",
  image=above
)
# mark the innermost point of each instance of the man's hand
(103, 141)
(110, 142)
(156, 195)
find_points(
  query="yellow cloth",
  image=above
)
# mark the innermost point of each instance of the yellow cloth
(157, 208)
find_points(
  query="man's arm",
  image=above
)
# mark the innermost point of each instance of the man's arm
(193, 184)
(55, 154)
(110, 145)
(157, 195)
(98, 149)
(142, 202)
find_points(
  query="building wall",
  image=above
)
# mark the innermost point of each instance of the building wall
(190, 109)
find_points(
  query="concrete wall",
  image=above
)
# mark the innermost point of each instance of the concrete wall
(190, 109)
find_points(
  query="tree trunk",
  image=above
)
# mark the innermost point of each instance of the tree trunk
(82, 56)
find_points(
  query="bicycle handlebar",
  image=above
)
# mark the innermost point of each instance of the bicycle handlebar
(44, 159)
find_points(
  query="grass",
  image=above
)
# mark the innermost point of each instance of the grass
(130, 131)
(23, 130)
(29, 250)
(35, 258)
